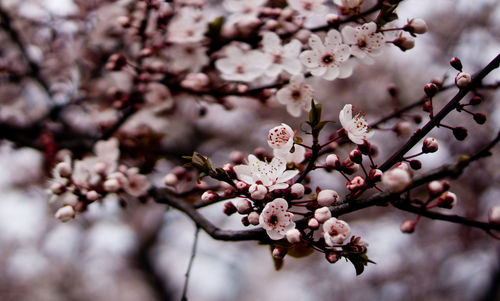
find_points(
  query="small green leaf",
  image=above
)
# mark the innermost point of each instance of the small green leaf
(314, 114)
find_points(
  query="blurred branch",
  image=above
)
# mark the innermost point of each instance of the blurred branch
(190, 265)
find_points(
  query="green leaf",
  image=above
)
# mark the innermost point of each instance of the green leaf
(214, 28)
(359, 260)
(314, 114)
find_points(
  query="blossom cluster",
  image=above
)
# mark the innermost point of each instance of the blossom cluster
(76, 184)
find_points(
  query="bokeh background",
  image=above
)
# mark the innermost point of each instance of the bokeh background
(142, 252)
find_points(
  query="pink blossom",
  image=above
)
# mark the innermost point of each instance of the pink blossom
(276, 220)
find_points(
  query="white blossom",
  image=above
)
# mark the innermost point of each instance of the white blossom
(240, 65)
(276, 220)
(327, 197)
(188, 26)
(243, 6)
(357, 128)
(137, 184)
(350, 4)
(272, 174)
(396, 179)
(284, 57)
(190, 56)
(293, 236)
(327, 60)
(297, 156)
(365, 41)
(322, 214)
(297, 95)
(335, 231)
(307, 7)
(281, 137)
(65, 213)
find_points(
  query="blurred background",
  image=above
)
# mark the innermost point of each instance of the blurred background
(141, 252)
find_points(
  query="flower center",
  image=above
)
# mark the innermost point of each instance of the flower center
(362, 44)
(328, 59)
(307, 5)
(240, 69)
(273, 220)
(277, 59)
(296, 94)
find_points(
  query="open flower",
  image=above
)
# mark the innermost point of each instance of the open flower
(298, 155)
(188, 26)
(327, 60)
(364, 40)
(240, 65)
(272, 174)
(284, 57)
(296, 95)
(357, 128)
(276, 220)
(335, 231)
(307, 7)
(281, 137)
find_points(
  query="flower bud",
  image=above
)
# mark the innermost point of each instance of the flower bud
(332, 257)
(243, 206)
(404, 43)
(229, 208)
(209, 196)
(396, 179)
(460, 133)
(322, 214)
(333, 19)
(349, 167)
(237, 157)
(333, 161)
(407, 226)
(456, 63)
(479, 118)
(170, 180)
(403, 128)
(431, 89)
(365, 148)
(463, 79)
(279, 252)
(356, 183)
(244, 221)
(416, 26)
(112, 185)
(415, 164)
(375, 175)
(240, 185)
(356, 156)
(447, 200)
(327, 197)
(297, 190)
(124, 21)
(475, 100)
(64, 169)
(293, 236)
(436, 188)
(303, 35)
(92, 196)
(253, 218)
(430, 145)
(57, 188)
(313, 223)
(494, 215)
(257, 191)
(65, 213)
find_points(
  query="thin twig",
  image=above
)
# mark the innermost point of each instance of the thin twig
(190, 265)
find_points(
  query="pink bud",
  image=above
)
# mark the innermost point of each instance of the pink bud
(209, 196)
(375, 175)
(229, 208)
(322, 214)
(313, 223)
(447, 200)
(356, 183)
(240, 185)
(112, 185)
(65, 213)
(92, 196)
(243, 206)
(403, 128)
(407, 226)
(297, 190)
(396, 179)
(170, 179)
(430, 145)
(57, 188)
(253, 218)
(279, 252)
(257, 191)
(293, 236)
(332, 161)
(327, 197)
(463, 79)
(416, 26)
(494, 215)
(332, 257)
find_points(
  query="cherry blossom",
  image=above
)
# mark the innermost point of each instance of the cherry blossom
(190, 56)
(335, 231)
(297, 156)
(284, 57)
(281, 137)
(234, 68)
(357, 128)
(296, 95)
(364, 40)
(276, 220)
(272, 174)
(397, 179)
(327, 60)
(188, 26)
(243, 6)
(348, 4)
(137, 184)
(307, 7)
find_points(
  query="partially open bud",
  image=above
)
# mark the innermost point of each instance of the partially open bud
(375, 175)
(241, 185)
(253, 218)
(209, 196)
(92, 196)
(112, 185)
(416, 26)
(293, 236)
(229, 208)
(297, 190)
(65, 213)
(463, 79)
(494, 215)
(430, 145)
(322, 214)
(404, 43)
(431, 89)
(456, 63)
(356, 183)
(279, 252)
(333, 161)
(447, 200)
(332, 257)
(349, 167)
(243, 206)
(327, 197)
(407, 226)
(436, 188)
(313, 223)
(356, 156)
